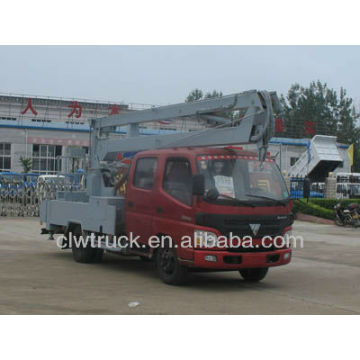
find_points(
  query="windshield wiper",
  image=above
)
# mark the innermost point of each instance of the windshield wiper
(281, 202)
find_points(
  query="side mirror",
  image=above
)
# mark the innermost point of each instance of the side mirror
(198, 184)
(212, 194)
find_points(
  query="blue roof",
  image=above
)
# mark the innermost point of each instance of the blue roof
(289, 141)
(298, 142)
(60, 126)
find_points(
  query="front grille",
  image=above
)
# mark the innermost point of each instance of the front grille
(239, 225)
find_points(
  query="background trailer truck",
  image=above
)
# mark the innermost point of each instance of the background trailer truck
(184, 185)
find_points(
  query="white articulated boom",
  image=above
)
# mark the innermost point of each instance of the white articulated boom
(256, 126)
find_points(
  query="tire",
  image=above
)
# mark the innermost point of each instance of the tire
(98, 255)
(253, 275)
(87, 254)
(338, 222)
(82, 254)
(145, 259)
(170, 270)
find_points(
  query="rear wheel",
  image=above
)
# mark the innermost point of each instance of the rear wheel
(169, 269)
(97, 255)
(145, 258)
(253, 275)
(85, 253)
(82, 254)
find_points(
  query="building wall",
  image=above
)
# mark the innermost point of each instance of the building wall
(49, 110)
(26, 121)
(22, 141)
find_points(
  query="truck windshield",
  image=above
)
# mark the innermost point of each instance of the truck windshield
(242, 178)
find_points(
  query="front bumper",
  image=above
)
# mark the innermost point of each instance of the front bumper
(228, 260)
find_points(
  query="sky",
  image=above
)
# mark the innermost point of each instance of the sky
(166, 74)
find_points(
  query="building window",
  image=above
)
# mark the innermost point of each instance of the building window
(7, 118)
(41, 120)
(293, 160)
(45, 159)
(5, 156)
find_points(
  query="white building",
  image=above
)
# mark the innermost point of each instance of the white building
(44, 129)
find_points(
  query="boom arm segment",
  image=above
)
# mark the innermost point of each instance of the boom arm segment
(255, 127)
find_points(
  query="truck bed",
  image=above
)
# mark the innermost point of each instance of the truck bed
(101, 214)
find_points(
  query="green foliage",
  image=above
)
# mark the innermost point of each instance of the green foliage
(323, 208)
(331, 113)
(198, 94)
(194, 95)
(330, 203)
(213, 94)
(311, 208)
(26, 164)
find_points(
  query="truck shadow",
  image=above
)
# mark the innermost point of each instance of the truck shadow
(224, 281)
(207, 281)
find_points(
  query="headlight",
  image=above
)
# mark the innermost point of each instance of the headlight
(204, 238)
(287, 237)
(287, 234)
(287, 256)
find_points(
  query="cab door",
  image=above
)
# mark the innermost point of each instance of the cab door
(140, 198)
(174, 214)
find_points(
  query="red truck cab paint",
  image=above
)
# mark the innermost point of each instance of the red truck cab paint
(242, 197)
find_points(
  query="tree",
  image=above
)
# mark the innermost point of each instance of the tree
(26, 164)
(318, 109)
(308, 110)
(194, 95)
(347, 118)
(213, 94)
(198, 94)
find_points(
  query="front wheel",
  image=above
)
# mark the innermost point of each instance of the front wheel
(145, 258)
(253, 275)
(169, 269)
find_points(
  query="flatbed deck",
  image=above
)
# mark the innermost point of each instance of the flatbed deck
(100, 214)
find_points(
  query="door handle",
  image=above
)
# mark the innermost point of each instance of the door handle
(130, 204)
(159, 210)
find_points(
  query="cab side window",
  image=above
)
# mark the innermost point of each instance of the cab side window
(145, 173)
(178, 180)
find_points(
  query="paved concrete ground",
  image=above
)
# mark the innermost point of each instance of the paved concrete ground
(38, 278)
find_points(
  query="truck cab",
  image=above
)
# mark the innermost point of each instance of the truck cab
(193, 193)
